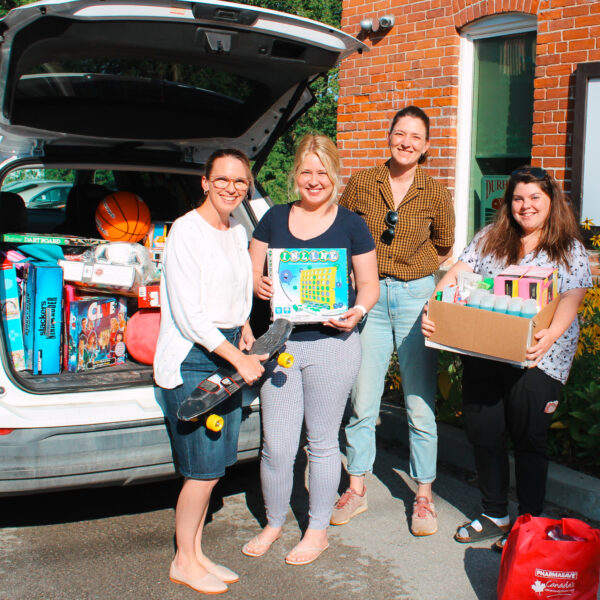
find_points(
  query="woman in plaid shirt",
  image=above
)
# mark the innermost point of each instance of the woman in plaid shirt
(411, 218)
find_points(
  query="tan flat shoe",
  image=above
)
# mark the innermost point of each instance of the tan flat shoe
(224, 574)
(207, 584)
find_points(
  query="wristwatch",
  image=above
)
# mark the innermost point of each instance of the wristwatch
(363, 310)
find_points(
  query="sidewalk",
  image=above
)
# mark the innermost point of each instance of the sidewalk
(566, 488)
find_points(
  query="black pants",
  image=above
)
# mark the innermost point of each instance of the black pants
(498, 400)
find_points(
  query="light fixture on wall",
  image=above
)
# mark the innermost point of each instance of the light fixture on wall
(383, 23)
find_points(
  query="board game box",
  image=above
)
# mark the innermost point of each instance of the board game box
(11, 314)
(42, 317)
(309, 285)
(96, 333)
(42, 238)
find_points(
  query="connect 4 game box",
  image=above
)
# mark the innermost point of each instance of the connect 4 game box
(309, 285)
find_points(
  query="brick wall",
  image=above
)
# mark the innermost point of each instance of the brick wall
(417, 62)
(568, 33)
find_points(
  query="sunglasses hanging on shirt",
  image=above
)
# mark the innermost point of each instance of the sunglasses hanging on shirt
(391, 220)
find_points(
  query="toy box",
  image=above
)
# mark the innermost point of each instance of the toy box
(309, 285)
(484, 333)
(58, 240)
(11, 314)
(507, 282)
(540, 284)
(149, 296)
(156, 238)
(537, 283)
(98, 274)
(42, 317)
(96, 333)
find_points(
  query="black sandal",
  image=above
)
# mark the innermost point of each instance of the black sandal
(489, 530)
(498, 545)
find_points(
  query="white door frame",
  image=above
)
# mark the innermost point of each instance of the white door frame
(494, 26)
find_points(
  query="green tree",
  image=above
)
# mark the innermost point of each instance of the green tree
(322, 117)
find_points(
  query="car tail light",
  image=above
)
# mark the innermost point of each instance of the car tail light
(5, 431)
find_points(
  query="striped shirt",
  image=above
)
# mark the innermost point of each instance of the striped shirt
(425, 220)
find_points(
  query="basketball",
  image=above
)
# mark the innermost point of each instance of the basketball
(122, 217)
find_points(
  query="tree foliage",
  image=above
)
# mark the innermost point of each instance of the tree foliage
(322, 117)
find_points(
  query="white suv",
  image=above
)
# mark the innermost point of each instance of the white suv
(132, 95)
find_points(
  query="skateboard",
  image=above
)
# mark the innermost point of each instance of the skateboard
(225, 381)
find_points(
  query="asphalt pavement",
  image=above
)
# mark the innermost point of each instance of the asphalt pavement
(117, 543)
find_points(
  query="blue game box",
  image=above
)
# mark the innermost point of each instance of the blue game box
(309, 285)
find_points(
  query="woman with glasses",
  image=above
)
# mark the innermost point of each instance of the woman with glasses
(535, 226)
(412, 220)
(206, 295)
(326, 356)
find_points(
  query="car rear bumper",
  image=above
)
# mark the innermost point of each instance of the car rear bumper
(58, 458)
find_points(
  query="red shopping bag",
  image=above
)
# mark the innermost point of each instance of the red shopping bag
(535, 566)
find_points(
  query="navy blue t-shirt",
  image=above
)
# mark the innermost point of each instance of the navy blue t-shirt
(348, 230)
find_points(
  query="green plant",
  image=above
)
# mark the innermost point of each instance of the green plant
(576, 424)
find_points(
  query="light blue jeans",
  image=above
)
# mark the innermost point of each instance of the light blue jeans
(396, 320)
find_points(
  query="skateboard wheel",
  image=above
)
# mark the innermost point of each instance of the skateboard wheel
(285, 359)
(214, 422)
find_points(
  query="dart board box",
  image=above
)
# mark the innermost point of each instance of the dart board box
(310, 285)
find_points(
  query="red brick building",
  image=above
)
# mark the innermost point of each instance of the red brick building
(505, 82)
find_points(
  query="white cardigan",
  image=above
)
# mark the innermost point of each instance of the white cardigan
(206, 285)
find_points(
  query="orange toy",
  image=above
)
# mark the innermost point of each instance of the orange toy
(123, 217)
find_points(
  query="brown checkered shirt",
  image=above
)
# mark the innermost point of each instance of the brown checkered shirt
(425, 220)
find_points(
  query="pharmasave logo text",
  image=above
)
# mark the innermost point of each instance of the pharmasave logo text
(556, 584)
(556, 574)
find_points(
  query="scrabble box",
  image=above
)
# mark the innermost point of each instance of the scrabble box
(42, 318)
(96, 333)
(309, 285)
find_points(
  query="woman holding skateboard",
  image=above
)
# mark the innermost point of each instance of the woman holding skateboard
(326, 355)
(206, 295)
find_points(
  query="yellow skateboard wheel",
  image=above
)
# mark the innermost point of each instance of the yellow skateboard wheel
(285, 359)
(214, 422)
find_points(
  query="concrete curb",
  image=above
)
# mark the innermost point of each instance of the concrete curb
(567, 488)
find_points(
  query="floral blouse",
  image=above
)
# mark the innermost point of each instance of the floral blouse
(557, 361)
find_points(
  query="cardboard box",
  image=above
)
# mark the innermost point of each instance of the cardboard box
(96, 333)
(483, 333)
(309, 285)
(149, 296)
(98, 274)
(42, 318)
(11, 314)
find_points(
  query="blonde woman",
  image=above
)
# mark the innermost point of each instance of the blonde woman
(327, 356)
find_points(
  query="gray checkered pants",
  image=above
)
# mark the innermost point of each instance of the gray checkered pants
(314, 390)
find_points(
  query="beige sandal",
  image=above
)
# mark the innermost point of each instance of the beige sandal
(261, 547)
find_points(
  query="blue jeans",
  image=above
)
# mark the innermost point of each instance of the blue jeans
(396, 320)
(198, 452)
